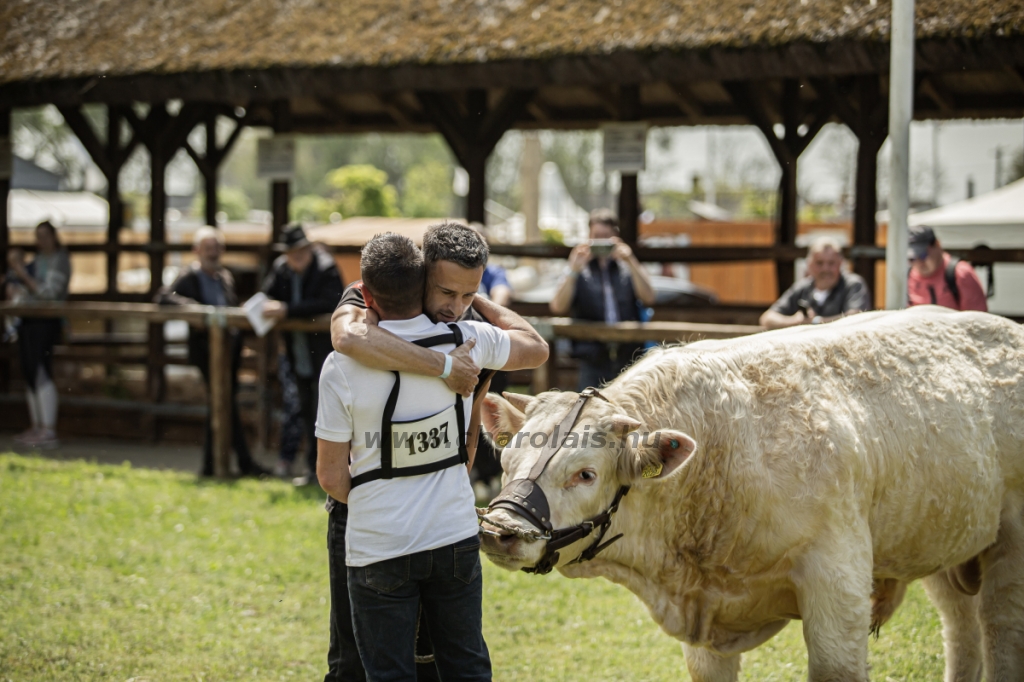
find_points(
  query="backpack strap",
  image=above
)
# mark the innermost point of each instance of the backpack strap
(951, 279)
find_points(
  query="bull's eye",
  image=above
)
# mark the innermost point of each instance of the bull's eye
(582, 477)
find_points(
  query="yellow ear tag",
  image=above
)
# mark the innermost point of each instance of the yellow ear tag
(502, 439)
(652, 470)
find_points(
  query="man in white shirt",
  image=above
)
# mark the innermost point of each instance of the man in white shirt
(412, 531)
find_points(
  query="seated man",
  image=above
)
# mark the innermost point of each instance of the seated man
(455, 257)
(825, 294)
(412, 532)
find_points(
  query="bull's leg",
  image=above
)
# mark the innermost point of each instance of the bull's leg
(833, 589)
(961, 633)
(1001, 610)
(707, 666)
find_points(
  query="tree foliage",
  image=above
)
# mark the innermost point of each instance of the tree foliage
(428, 190)
(362, 190)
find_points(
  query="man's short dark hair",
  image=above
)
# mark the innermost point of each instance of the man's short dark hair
(604, 216)
(456, 243)
(392, 269)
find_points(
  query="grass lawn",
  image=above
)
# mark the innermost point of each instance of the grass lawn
(113, 573)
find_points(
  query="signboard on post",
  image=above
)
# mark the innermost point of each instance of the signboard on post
(275, 158)
(625, 147)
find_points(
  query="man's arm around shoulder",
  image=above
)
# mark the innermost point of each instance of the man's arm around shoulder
(354, 332)
(527, 348)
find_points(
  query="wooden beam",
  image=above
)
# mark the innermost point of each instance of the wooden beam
(933, 88)
(85, 133)
(687, 102)
(393, 106)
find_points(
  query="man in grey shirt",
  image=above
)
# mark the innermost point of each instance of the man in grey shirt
(827, 293)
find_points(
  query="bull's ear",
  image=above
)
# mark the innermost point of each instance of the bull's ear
(657, 455)
(501, 419)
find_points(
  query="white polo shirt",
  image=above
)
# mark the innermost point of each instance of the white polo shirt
(392, 518)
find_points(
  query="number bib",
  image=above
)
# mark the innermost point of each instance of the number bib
(425, 441)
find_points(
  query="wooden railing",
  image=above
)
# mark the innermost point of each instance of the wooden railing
(217, 320)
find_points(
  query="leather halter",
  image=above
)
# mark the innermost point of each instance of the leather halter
(525, 497)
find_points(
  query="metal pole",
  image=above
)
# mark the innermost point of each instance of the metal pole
(901, 111)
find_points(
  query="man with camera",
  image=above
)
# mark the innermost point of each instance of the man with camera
(603, 282)
(825, 294)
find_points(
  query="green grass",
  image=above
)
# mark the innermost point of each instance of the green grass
(113, 573)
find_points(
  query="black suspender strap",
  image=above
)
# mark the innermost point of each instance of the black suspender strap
(460, 414)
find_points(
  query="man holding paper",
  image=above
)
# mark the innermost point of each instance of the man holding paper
(303, 283)
(207, 282)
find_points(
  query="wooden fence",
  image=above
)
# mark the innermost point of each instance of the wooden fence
(218, 320)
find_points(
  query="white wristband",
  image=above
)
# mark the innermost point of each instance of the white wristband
(447, 367)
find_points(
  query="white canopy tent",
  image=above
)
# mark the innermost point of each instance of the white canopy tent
(996, 220)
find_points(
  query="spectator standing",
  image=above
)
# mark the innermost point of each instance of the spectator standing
(44, 279)
(825, 294)
(603, 282)
(207, 282)
(303, 283)
(938, 278)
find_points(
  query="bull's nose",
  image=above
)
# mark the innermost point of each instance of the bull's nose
(501, 543)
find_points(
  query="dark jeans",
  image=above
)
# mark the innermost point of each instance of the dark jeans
(343, 663)
(386, 599)
(309, 398)
(36, 338)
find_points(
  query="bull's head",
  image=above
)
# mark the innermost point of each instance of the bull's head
(604, 452)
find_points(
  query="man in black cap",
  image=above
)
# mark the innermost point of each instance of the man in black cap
(938, 278)
(304, 282)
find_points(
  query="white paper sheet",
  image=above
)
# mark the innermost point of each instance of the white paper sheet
(254, 311)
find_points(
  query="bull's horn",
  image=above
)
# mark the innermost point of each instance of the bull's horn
(518, 400)
(623, 424)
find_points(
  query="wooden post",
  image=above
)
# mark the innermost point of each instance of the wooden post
(6, 157)
(865, 113)
(472, 135)
(220, 394)
(279, 189)
(115, 117)
(210, 172)
(629, 195)
(264, 344)
(157, 214)
(787, 150)
(543, 375)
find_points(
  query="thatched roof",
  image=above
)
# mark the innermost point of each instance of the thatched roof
(59, 39)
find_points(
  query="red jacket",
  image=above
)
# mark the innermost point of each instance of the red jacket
(934, 289)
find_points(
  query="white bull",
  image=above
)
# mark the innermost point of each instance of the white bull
(807, 474)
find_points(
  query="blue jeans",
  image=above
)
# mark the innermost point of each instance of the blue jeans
(386, 598)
